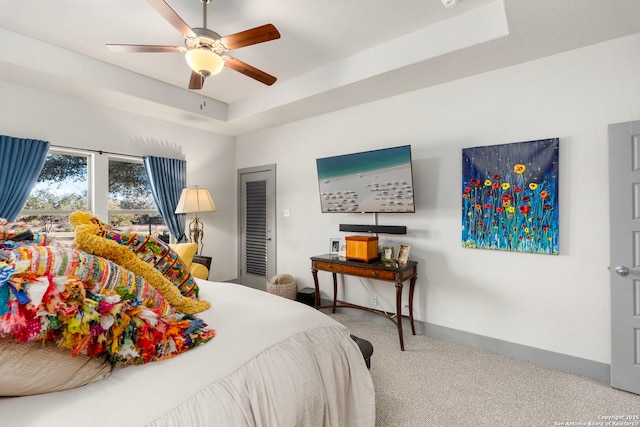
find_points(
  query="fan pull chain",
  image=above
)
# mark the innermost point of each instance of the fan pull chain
(203, 103)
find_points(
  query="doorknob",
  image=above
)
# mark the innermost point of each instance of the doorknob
(621, 270)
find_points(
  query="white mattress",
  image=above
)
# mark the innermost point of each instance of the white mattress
(273, 362)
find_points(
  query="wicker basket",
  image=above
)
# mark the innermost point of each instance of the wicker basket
(283, 285)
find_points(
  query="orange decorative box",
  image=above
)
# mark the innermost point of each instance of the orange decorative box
(363, 248)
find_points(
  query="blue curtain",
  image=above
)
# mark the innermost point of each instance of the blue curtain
(167, 178)
(21, 161)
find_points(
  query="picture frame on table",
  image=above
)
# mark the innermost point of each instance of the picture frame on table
(343, 249)
(388, 254)
(403, 255)
(334, 248)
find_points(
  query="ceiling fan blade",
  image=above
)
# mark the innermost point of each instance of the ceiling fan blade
(196, 81)
(136, 48)
(248, 70)
(253, 36)
(172, 17)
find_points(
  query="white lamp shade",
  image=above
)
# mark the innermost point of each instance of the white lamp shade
(204, 61)
(195, 200)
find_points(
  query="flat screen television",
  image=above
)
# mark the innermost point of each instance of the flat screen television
(367, 182)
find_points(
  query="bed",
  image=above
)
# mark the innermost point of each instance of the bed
(273, 362)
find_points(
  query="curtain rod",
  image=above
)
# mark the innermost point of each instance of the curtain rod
(97, 151)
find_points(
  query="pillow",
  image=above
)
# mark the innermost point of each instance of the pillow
(149, 258)
(149, 249)
(90, 306)
(34, 368)
(14, 230)
(19, 233)
(199, 271)
(186, 251)
(102, 274)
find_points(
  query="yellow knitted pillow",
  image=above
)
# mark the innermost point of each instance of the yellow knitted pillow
(186, 251)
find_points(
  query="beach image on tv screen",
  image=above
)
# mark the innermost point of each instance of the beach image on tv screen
(371, 181)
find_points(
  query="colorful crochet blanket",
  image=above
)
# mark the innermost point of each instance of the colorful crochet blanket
(86, 303)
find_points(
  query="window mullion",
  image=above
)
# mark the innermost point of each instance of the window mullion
(100, 186)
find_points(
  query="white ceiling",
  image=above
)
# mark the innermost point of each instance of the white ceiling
(332, 53)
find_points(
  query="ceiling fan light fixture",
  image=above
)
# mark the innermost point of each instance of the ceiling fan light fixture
(204, 61)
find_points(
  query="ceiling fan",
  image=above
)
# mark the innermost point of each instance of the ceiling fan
(205, 50)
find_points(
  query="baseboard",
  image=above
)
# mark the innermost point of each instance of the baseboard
(548, 359)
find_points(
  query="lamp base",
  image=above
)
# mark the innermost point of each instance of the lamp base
(196, 232)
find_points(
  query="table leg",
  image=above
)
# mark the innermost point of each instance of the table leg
(399, 313)
(316, 299)
(412, 285)
(335, 291)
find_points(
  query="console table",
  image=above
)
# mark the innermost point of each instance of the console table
(372, 270)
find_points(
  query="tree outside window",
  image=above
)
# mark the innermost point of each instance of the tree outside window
(62, 187)
(131, 204)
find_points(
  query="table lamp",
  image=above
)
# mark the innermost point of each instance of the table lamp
(195, 200)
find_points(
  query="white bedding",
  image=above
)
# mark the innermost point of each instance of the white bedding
(274, 362)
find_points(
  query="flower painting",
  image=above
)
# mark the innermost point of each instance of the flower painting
(510, 197)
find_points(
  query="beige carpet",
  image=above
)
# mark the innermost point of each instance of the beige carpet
(436, 383)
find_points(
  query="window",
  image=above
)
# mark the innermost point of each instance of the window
(62, 187)
(73, 180)
(131, 205)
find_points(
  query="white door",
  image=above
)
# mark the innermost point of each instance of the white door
(624, 182)
(257, 225)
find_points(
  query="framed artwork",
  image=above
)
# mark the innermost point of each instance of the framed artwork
(403, 255)
(388, 254)
(335, 246)
(510, 197)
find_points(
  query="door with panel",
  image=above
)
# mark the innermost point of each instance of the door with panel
(624, 182)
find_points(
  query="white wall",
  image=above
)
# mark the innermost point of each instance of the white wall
(556, 303)
(31, 113)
